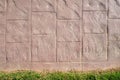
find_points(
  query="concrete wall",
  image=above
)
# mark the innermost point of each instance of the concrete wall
(59, 34)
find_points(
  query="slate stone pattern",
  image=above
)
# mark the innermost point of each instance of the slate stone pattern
(59, 35)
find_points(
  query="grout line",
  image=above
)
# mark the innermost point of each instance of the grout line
(94, 10)
(95, 33)
(56, 8)
(31, 33)
(6, 29)
(56, 41)
(68, 41)
(17, 19)
(108, 2)
(113, 18)
(15, 42)
(68, 19)
(58, 61)
(82, 27)
(108, 31)
(44, 11)
(41, 34)
(113, 40)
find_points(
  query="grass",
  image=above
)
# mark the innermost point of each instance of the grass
(72, 75)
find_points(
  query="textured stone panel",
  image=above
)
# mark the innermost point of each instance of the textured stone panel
(114, 8)
(59, 35)
(43, 23)
(69, 9)
(69, 51)
(18, 9)
(18, 52)
(2, 23)
(94, 47)
(68, 31)
(17, 31)
(95, 22)
(95, 4)
(114, 51)
(2, 49)
(43, 5)
(114, 29)
(43, 48)
(2, 5)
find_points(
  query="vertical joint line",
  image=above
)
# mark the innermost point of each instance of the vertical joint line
(82, 27)
(6, 29)
(30, 21)
(56, 27)
(107, 29)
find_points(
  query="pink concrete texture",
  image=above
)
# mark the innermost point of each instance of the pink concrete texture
(59, 35)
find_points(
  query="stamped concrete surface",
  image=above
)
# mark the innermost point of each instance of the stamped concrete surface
(59, 34)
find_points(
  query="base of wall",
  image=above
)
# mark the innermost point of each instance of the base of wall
(58, 66)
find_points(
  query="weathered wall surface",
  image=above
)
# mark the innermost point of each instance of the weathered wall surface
(59, 34)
